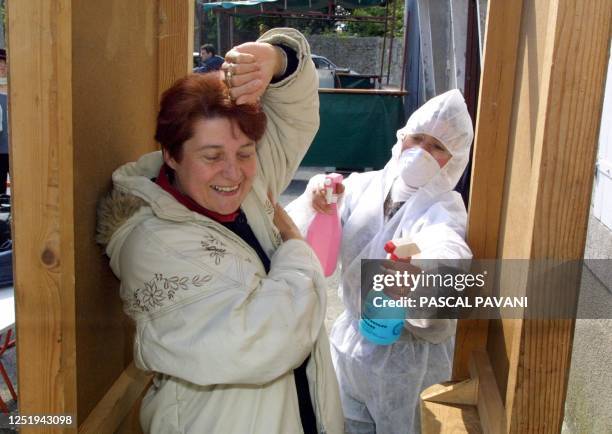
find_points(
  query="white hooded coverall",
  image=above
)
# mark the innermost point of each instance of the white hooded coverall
(380, 385)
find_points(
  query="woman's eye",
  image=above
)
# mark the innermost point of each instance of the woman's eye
(212, 157)
(246, 156)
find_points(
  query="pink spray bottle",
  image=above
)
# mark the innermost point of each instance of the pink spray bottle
(325, 231)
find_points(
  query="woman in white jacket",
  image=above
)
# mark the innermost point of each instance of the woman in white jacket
(411, 197)
(228, 299)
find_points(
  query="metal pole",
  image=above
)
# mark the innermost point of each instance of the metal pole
(218, 15)
(231, 30)
(404, 59)
(391, 41)
(382, 60)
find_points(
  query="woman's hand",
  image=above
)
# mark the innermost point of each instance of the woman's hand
(249, 68)
(285, 225)
(319, 203)
(402, 265)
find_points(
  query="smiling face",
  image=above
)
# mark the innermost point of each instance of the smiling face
(429, 144)
(217, 165)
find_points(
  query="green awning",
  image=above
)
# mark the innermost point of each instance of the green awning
(289, 5)
(235, 4)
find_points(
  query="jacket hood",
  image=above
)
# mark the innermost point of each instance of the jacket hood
(446, 118)
(132, 189)
(114, 210)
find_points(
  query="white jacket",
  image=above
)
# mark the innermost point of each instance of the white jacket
(224, 336)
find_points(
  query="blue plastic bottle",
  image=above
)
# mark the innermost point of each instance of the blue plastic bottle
(381, 325)
(384, 325)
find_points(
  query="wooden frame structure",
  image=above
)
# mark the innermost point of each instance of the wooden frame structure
(85, 80)
(541, 96)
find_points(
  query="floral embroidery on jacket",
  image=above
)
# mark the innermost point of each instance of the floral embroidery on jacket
(277, 238)
(158, 290)
(215, 247)
(269, 207)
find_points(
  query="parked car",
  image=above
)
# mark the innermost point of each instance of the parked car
(324, 63)
(197, 59)
(328, 70)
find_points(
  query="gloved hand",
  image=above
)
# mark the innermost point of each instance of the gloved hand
(319, 203)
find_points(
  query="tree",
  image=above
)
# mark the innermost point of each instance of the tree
(377, 29)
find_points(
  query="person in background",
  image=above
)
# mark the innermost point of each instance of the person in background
(228, 299)
(412, 197)
(4, 136)
(210, 60)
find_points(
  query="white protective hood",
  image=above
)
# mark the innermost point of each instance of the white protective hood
(446, 118)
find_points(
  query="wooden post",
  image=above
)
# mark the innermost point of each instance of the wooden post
(84, 88)
(490, 153)
(175, 41)
(557, 109)
(43, 206)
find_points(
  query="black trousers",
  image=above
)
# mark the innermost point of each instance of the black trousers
(4, 170)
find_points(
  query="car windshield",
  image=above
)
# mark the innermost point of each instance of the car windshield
(323, 63)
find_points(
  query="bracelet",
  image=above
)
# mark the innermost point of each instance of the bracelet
(284, 61)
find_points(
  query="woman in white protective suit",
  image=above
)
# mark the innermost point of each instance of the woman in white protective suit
(411, 197)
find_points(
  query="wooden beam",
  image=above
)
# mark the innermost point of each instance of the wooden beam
(114, 64)
(115, 406)
(469, 406)
(561, 98)
(450, 408)
(490, 154)
(43, 208)
(491, 410)
(175, 41)
(439, 418)
(463, 392)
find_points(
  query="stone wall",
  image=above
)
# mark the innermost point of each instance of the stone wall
(361, 54)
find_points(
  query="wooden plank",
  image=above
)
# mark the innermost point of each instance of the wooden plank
(489, 159)
(439, 418)
(503, 339)
(558, 167)
(490, 407)
(175, 41)
(113, 408)
(131, 423)
(114, 63)
(42, 193)
(462, 392)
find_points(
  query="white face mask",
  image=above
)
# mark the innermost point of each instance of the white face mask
(3, 81)
(417, 167)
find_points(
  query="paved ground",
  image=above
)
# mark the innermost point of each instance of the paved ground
(334, 308)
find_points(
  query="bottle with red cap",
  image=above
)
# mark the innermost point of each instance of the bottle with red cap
(380, 323)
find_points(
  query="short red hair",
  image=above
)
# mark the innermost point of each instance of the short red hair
(202, 96)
